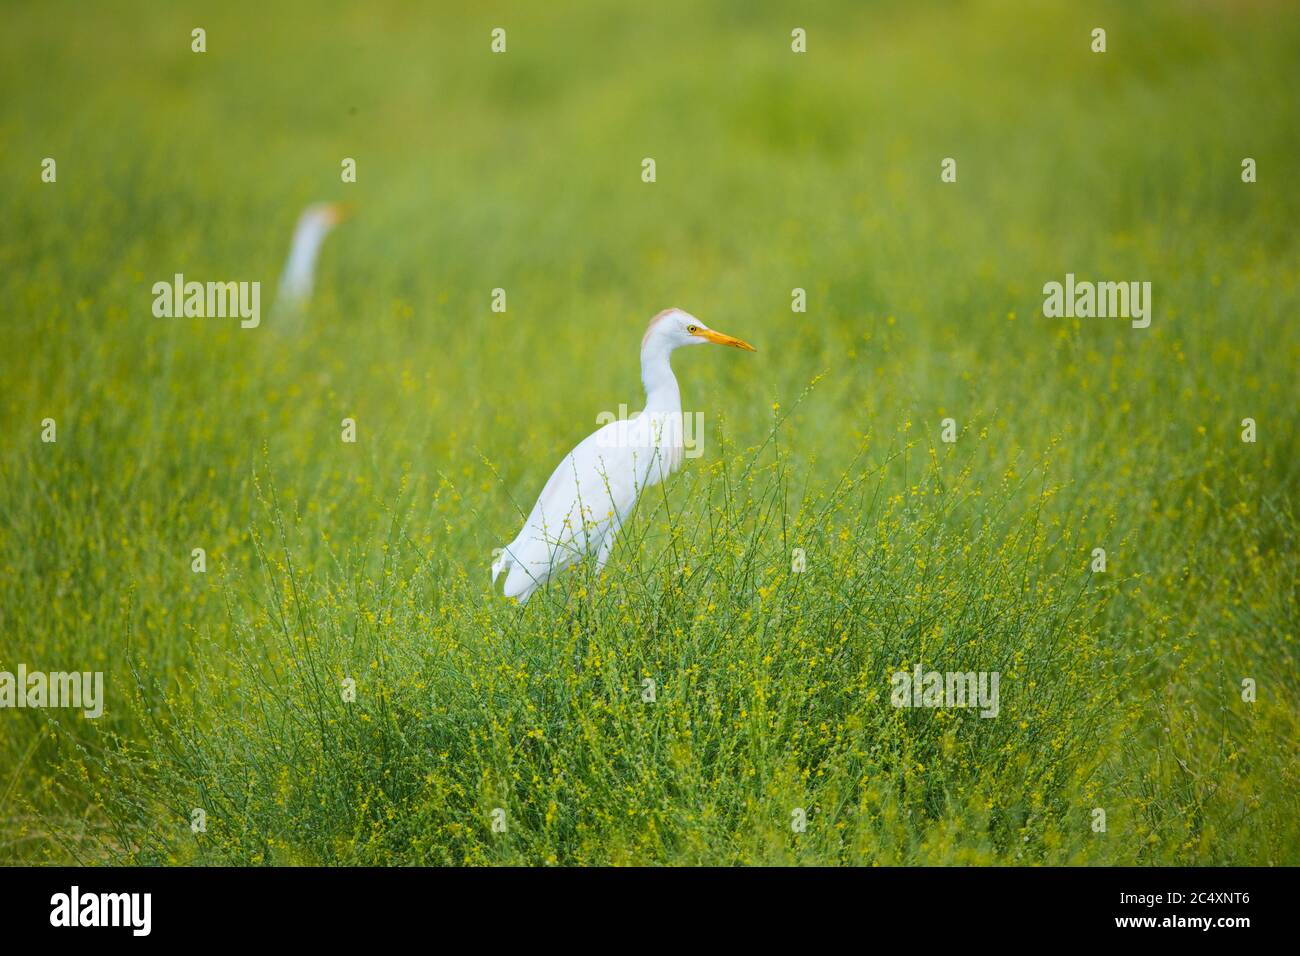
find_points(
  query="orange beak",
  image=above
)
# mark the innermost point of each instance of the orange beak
(342, 211)
(718, 338)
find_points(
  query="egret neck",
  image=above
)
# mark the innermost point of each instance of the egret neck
(661, 392)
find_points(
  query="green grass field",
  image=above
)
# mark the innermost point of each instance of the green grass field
(333, 564)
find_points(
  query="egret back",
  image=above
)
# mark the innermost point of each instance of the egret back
(589, 496)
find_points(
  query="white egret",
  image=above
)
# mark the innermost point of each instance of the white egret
(299, 276)
(592, 491)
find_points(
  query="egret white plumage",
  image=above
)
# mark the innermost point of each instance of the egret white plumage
(592, 491)
(299, 277)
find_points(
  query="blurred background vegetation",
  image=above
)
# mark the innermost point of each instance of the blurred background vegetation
(774, 171)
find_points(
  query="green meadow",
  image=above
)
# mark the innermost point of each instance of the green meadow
(340, 685)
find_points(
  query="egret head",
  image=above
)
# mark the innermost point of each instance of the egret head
(674, 328)
(339, 211)
(327, 215)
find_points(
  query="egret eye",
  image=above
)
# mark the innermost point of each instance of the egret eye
(692, 329)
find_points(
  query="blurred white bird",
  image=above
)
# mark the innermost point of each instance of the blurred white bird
(299, 276)
(589, 496)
